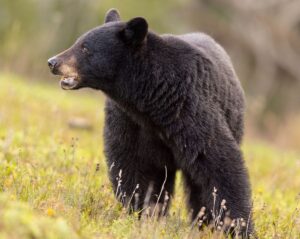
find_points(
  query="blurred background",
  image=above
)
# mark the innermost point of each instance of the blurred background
(262, 38)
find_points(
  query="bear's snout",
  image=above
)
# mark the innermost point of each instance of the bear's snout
(53, 63)
(63, 65)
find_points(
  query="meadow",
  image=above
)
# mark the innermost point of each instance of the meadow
(54, 183)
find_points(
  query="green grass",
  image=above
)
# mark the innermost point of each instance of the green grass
(51, 188)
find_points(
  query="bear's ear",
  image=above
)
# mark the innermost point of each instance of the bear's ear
(135, 31)
(112, 15)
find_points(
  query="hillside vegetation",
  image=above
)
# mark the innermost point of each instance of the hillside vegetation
(54, 184)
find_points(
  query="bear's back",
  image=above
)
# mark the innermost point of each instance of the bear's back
(213, 51)
(226, 85)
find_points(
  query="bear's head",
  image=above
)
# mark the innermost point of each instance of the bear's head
(97, 56)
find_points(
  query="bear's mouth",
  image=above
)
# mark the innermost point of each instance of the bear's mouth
(69, 82)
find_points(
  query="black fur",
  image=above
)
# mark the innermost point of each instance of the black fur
(173, 102)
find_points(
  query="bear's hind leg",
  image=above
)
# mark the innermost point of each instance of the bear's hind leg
(218, 179)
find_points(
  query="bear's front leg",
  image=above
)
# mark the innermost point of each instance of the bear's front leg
(140, 166)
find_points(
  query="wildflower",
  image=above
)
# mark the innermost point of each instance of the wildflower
(50, 212)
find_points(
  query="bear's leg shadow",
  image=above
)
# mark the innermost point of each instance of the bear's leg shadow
(216, 176)
(140, 166)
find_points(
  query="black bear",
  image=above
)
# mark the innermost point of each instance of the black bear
(173, 103)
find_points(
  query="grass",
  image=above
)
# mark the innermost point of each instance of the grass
(54, 184)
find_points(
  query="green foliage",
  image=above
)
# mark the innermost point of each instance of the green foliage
(54, 184)
(31, 31)
(18, 220)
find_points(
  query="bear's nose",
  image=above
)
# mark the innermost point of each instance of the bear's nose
(52, 63)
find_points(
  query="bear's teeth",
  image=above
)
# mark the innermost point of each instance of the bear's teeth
(69, 81)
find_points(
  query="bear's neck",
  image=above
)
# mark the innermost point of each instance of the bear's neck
(160, 83)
